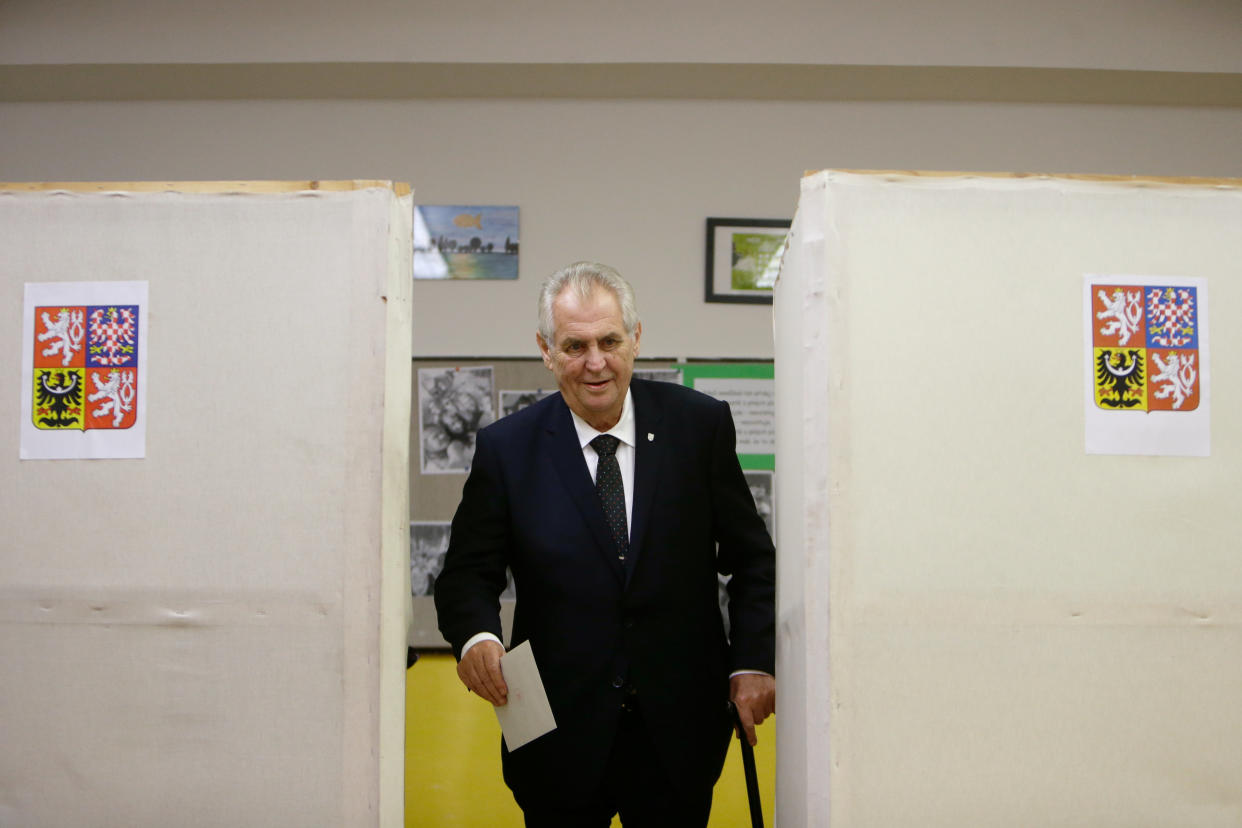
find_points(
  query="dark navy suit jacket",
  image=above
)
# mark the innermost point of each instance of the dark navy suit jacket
(599, 628)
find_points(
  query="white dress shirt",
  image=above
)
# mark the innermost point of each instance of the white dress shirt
(623, 431)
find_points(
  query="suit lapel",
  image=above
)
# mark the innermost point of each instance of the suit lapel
(651, 446)
(566, 453)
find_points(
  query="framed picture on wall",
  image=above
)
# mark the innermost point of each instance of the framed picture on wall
(743, 258)
(465, 242)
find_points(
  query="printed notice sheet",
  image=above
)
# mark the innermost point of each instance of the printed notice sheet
(753, 403)
(527, 716)
(84, 370)
(1146, 365)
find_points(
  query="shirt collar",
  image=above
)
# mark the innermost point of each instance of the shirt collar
(623, 430)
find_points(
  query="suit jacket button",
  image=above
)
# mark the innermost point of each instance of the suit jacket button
(618, 682)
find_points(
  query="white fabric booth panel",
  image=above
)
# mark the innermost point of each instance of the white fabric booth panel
(979, 622)
(214, 633)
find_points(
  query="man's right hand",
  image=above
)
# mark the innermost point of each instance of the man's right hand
(479, 670)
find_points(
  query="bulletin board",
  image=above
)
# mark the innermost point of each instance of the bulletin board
(453, 398)
(987, 616)
(208, 629)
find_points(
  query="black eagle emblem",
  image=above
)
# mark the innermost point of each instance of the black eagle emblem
(59, 399)
(1119, 376)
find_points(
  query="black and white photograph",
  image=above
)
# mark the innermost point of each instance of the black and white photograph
(514, 401)
(761, 485)
(429, 541)
(453, 404)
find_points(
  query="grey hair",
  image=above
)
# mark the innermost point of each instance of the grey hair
(583, 278)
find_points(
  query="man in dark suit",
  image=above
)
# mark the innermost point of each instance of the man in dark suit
(615, 542)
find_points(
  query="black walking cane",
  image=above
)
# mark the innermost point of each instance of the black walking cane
(748, 766)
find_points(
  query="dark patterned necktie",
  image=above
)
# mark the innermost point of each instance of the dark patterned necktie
(611, 490)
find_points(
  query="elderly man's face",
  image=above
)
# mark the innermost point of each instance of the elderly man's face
(591, 355)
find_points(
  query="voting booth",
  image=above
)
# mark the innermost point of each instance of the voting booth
(204, 575)
(1010, 580)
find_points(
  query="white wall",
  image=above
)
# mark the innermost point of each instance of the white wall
(623, 173)
(626, 182)
(1184, 36)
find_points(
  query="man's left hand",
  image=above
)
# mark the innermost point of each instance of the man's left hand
(754, 695)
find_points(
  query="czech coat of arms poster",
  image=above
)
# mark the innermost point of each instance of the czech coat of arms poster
(84, 370)
(1147, 365)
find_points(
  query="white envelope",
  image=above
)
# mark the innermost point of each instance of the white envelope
(527, 715)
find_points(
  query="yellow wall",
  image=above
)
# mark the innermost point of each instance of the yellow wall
(452, 769)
